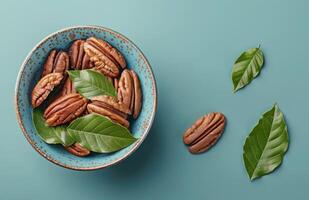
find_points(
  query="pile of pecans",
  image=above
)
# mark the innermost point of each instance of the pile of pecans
(98, 55)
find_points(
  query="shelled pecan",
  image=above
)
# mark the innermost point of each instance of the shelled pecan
(125, 88)
(56, 62)
(44, 87)
(65, 109)
(78, 150)
(106, 59)
(205, 132)
(129, 91)
(78, 58)
(136, 101)
(110, 107)
(67, 88)
(112, 53)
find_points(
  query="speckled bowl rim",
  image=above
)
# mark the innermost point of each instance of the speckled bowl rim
(137, 144)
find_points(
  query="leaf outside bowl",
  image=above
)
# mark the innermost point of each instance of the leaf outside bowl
(29, 74)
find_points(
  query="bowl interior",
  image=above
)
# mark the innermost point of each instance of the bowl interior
(30, 73)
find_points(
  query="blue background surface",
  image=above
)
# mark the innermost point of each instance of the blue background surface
(191, 46)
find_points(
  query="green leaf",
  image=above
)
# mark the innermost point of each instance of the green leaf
(99, 134)
(247, 67)
(266, 145)
(49, 134)
(90, 83)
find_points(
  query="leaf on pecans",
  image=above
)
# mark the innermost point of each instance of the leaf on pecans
(99, 134)
(90, 83)
(49, 134)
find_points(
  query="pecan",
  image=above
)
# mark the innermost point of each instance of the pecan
(67, 88)
(136, 101)
(78, 150)
(129, 91)
(106, 59)
(49, 63)
(78, 58)
(43, 88)
(205, 132)
(56, 62)
(125, 88)
(65, 109)
(111, 108)
(110, 52)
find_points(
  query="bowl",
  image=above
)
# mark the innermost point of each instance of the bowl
(29, 75)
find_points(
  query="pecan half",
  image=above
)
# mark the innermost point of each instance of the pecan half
(205, 132)
(112, 53)
(43, 88)
(136, 101)
(125, 88)
(129, 91)
(56, 62)
(65, 109)
(107, 60)
(78, 58)
(103, 68)
(67, 88)
(78, 150)
(111, 108)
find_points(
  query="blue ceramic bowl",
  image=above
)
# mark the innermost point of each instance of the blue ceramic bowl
(29, 75)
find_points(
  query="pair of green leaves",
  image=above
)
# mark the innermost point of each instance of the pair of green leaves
(95, 132)
(268, 141)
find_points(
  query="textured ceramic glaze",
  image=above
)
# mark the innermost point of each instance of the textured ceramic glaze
(29, 75)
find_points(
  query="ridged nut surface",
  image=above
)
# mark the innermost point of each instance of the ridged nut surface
(65, 109)
(78, 150)
(56, 62)
(111, 108)
(107, 60)
(44, 87)
(78, 58)
(205, 132)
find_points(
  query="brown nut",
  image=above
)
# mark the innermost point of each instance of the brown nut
(56, 62)
(111, 102)
(111, 108)
(103, 68)
(78, 58)
(136, 101)
(78, 150)
(65, 109)
(67, 88)
(125, 88)
(44, 87)
(110, 52)
(107, 60)
(205, 132)
(49, 63)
